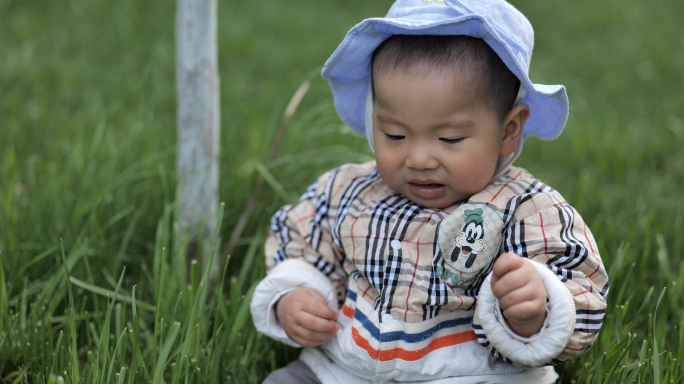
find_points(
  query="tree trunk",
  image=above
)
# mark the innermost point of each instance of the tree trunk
(197, 85)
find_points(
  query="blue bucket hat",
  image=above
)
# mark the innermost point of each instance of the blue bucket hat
(498, 23)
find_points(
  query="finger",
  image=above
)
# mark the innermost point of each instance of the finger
(318, 306)
(511, 281)
(526, 312)
(307, 337)
(518, 296)
(303, 341)
(506, 263)
(314, 323)
(307, 334)
(306, 342)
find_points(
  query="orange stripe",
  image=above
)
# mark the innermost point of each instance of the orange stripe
(348, 311)
(402, 354)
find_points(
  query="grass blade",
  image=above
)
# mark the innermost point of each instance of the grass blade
(120, 376)
(27, 265)
(72, 324)
(157, 313)
(106, 292)
(3, 293)
(656, 358)
(104, 338)
(54, 355)
(273, 182)
(116, 349)
(635, 318)
(161, 362)
(136, 333)
(219, 302)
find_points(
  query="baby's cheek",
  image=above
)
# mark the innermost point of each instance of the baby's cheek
(472, 173)
(387, 172)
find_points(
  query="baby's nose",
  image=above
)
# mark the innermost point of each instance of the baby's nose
(421, 158)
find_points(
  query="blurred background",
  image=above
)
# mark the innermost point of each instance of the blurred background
(88, 141)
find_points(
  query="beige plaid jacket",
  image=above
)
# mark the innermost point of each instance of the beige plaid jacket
(407, 278)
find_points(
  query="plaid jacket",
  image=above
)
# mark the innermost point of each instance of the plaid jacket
(407, 281)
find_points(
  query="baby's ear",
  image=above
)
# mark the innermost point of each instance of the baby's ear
(513, 128)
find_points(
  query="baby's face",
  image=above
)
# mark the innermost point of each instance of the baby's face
(435, 142)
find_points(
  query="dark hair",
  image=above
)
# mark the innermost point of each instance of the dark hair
(497, 85)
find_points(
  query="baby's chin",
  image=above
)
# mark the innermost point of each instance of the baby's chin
(438, 203)
(445, 199)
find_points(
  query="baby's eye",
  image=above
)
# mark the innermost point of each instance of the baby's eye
(451, 141)
(393, 137)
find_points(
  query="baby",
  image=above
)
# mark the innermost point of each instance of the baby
(440, 260)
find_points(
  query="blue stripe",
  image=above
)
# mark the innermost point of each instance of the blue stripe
(407, 337)
(351, 295)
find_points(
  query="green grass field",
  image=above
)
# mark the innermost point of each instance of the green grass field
(87, 160)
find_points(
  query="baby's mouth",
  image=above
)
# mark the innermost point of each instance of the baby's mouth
(426, 190)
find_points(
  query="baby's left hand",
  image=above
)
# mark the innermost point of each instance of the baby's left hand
(521, 294)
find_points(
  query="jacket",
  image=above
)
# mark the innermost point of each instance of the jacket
(414, 294)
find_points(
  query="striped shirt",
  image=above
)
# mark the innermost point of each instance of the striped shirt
(391, 261)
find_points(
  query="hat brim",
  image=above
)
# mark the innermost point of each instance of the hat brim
(348, 70)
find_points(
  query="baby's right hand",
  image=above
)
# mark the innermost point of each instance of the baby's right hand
(306, 317)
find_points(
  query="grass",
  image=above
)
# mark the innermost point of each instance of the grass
(94, 286)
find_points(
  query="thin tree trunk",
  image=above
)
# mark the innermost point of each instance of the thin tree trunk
(197, 85)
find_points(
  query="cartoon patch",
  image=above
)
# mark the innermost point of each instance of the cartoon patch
(469, 239)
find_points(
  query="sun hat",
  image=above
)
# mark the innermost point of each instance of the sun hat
(498, 23)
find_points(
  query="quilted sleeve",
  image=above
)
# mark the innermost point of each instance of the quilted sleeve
(558, 242)
(300, 253)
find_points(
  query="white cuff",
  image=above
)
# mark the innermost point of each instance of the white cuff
(500, 318)
(287, 276)
(538, 349)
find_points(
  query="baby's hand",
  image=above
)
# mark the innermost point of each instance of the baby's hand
(306, 317)
(521, 294)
